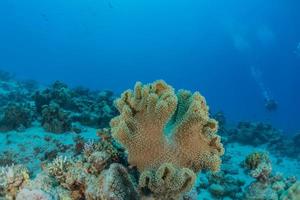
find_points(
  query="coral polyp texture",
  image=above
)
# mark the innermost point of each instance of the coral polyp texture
(157, 126)
(168, 182)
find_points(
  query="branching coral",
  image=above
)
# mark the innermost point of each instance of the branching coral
(43, 187)
(12, 178)
(91, 176)
(98, 161)
(106, 146)
(168, 182)
(58, 167)
(158, 126)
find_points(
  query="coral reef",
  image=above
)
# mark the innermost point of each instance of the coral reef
(93, 175)
(266, 186)
(290, 147)
(259, 190)
(293, 193)
(58, 92)
(93, 109)
(258, 134)
(154, 149)
(5, 76)
(55, 120)
(255, 134)
(157, 126)
(26, 194)
(259, 165)
(12, 91)
(16, 117)
(12, 178)
(113, 183)
(222, 185)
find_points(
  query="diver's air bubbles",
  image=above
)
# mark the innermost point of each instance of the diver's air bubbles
(297, 51)
(265, 35)
(270, 103)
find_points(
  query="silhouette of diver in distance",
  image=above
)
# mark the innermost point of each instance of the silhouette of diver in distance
(271, 105)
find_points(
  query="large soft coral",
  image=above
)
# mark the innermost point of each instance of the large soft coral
(158, 126)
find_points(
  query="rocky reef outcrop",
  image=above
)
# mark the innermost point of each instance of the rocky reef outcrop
(89, 108)
(16, 116)
(266, 185)
(254, 134)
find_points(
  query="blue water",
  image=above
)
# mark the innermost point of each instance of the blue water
(202, 45)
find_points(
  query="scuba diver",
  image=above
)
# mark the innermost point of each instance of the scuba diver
(270, 104)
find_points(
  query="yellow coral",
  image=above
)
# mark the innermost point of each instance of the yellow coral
(168, 182)
(259, 165)
(254, 159)
(158, 126)
(25, 175)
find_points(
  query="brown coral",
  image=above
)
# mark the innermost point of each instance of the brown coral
(256, 158)
(158, 126)
(12, 179)
(259, 165)
(113, 184)
(168, 182)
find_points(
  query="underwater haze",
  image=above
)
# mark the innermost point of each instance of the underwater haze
(203, 45)
(92, 106)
